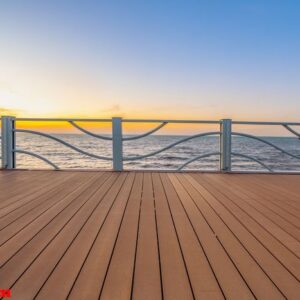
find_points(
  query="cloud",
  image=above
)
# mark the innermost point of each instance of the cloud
(113, 109)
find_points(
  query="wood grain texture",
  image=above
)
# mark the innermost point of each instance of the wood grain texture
(134, 235)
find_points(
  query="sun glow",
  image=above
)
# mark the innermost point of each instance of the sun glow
(18, 105)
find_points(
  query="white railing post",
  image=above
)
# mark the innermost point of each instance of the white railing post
(117, 144)
(8, 142)
(225, 145)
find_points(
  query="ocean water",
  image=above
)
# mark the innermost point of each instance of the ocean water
(171, 159)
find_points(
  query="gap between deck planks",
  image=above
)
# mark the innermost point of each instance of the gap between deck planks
(135, 235)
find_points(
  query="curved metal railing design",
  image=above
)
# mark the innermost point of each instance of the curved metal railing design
(266, 142)
(145, 134)
(197, 158)
(118, 140)
(110, 138)
(171, 145)
(37, 156)
(98, 136)
(113, 138)
(63, 142)
(291, 130)
(253, 159)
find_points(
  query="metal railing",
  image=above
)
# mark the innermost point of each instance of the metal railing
(225, 134)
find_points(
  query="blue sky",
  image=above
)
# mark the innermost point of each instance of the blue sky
(173, 59)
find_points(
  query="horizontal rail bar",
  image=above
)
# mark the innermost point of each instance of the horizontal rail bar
(123, 120)
(159, 121)
(170, 121)
(63, 120)
(266, 123)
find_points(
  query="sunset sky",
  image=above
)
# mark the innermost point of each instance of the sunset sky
(158, 59)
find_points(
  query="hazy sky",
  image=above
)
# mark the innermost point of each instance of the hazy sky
(158, 58)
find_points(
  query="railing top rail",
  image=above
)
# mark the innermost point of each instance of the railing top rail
(63, 119)
(265, 123)
(123, 120)
(159, 121)
(171, 121)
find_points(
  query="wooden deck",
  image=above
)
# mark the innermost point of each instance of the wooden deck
(91, 235)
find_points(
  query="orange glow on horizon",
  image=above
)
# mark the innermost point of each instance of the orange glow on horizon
(137, 128)
(105, 127)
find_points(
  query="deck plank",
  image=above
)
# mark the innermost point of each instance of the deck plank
(202, 277)
(287, 240)
(17, 189)
(268, 210)
(46, 203)
(175, 284)
(271, 241)
(39, 271)
(232, 284)
(48, 223)
(27, 204)
(89, 281)
(120, 272)
(273, 194)
(22, 250)
(261, 201)
(147, 274)
(149, 235)
(259, 283)
(70, 262)
(259, 243)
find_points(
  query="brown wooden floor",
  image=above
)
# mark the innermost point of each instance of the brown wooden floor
(91, 235)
